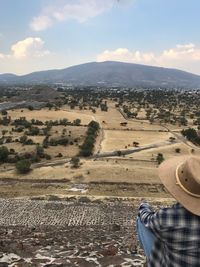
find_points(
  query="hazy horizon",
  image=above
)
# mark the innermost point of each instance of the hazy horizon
(50, 69)
(55, 34)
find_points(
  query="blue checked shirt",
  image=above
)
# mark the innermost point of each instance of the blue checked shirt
(177, 234)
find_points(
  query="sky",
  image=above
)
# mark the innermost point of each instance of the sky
(53, 34)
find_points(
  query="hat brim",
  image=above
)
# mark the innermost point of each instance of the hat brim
(167, 174)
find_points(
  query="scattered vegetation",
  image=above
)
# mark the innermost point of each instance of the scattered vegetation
(160, 158)
(75, 162)
(88, 145)
(192, 135)
(23, 166)
(3, 154)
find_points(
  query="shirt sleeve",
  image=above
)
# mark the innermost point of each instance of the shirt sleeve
(149, 217)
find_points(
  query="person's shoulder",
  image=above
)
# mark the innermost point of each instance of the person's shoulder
(176, 213)
(182, 210)
(171, 208)
(170, 211)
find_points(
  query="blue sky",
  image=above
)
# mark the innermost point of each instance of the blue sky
(48, 34)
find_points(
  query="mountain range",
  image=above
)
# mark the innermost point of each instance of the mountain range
(108, 73)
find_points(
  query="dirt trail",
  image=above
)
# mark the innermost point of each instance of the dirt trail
(133, 150)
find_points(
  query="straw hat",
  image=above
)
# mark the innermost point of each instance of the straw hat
(181, 177)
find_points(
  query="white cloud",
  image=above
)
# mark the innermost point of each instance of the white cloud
(182, 53)
(181, 56)
(25, 56)
(41, 23)
(123, 54)
(79, 10)
(29, 47)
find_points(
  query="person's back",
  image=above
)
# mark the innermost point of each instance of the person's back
(171, 236)
(177, 236)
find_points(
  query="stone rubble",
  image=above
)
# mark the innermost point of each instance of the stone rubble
(65, 233)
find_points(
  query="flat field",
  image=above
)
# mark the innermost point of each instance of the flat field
(46, 114)
(103, 170)
(103, 176)
(71, 133)
(115, 139)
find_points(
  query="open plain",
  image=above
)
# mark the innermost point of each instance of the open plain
(125, 153)
(74, 209)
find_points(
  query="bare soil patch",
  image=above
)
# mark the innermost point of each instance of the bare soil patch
(46, 114)
(116, 140)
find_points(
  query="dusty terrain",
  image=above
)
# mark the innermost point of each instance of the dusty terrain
(46, 114)
(57, 215)
(137, 166)
(42, 233)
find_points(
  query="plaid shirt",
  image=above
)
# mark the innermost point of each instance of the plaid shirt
(177, 234)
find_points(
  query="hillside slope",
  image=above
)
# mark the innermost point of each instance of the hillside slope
(110, 73)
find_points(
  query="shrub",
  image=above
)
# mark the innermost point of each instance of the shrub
(59, 155)
(23, 166)
(47, 157)
(160, 158)
(39, 151)
(177, 150)
(23, 139)
(192, 135)
(88, 145)
(4, 112)
(31, 108)
(3, 154)
(12, 151)
(75, 162)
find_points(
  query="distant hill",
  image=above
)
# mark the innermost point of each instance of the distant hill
(109, 73)
(7, 77)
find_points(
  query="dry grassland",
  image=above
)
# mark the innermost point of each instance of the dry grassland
(117, 170)
(68, 151)
(107, 170)
(116, 140)
(72, 132)
(53, 151)
(46, 114)
(136, 168)
(38, 174)
(112, 119)
(167, 151)
(19, 148)
(141, 113)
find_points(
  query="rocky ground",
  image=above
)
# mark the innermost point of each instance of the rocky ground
(68, 233)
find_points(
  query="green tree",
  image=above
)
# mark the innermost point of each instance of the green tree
(23, 139)
(160, 158)
(33, 131)
(4, 132)
(3, 154)
(23, 166)
(30, 108)
(4, 112)
(192, 135)
(94, 125)
(77, 122)
(135, 144)
(39, 151)
(75, 162)
(88, 145)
